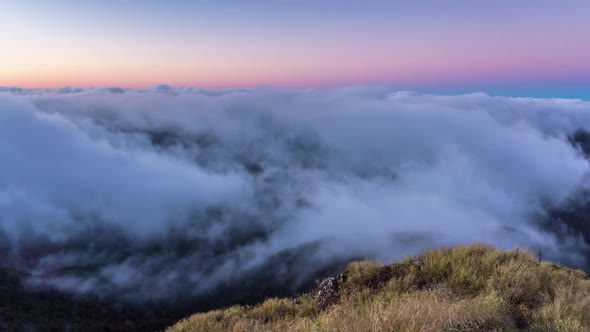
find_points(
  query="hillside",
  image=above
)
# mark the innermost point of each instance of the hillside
(474, 288)
(28, 309)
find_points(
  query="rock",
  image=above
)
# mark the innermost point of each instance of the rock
(328, 290)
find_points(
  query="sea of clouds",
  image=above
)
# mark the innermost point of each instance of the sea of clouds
(169, 191)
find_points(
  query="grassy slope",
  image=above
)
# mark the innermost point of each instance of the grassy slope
(475, 288)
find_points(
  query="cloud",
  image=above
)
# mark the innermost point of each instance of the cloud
(168, 191)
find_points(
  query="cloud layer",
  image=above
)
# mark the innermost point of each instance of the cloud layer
(156, 193)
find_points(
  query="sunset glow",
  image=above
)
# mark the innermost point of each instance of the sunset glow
(295, 44)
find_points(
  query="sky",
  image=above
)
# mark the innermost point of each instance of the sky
(513, 48)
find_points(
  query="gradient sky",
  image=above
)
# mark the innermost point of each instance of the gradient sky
(529, 48)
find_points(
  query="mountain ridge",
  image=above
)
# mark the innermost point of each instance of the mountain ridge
(466, 288)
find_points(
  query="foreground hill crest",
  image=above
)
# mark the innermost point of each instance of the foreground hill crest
(473, 288)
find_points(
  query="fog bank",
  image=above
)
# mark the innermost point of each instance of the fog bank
(170, 191)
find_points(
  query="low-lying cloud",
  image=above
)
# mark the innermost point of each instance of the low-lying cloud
(167, 191)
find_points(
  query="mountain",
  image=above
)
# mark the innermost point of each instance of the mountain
(24, 308)
(473, 288)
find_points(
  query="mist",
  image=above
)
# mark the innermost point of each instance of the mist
(167, 192)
